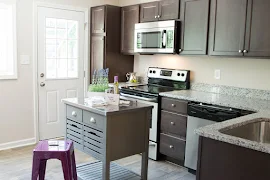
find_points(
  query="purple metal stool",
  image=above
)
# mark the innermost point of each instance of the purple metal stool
(64, 151)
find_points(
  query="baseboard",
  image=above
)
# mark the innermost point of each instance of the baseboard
(16, 144)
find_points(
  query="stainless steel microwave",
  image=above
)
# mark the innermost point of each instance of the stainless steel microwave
(157, 37)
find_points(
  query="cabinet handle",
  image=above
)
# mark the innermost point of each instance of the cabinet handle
(155, 17)
(158, 16)
(92, 120)
(152, 144)
(245, 51)
(74, 114)
(172, 123)
(180, 50)
(173, 105)
(171, 146)
(240, 51)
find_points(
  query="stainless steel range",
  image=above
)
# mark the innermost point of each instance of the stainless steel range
(159, 80)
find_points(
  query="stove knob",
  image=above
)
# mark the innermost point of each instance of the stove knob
(178, 74)
(154, 72)
(182, 74)
(151, 71)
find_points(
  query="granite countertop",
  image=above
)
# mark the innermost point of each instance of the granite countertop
(260, 106)
(105, 110)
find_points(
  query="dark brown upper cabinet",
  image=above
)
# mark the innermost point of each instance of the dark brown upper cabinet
(257, 41)
(159, 10)
(149, 12)
(168, 9)
(130, 16)
(227, 27)
(106, 43)
(98, 19)
(194, 28)
(97, 52)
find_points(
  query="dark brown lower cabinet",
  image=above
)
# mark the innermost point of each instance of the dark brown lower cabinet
(223, 161)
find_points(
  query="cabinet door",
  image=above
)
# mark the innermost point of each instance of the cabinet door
(258, 29)
(169, 9)
(194, 29)
(130, 16)
(149, 12)
(227, 27)
(97, 53)
(98, 19)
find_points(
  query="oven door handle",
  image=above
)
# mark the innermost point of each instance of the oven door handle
(140, 98)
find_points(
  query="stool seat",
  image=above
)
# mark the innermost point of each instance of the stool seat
(61, 150)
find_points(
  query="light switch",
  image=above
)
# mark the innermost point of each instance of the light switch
(25, 59)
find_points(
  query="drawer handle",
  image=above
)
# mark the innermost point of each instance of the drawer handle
(171, 147)
(74, 113)
(173, 105)
(152, 144)
(172, 123)
(92, 120)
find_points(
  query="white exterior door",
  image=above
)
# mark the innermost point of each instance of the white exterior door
(60, 66)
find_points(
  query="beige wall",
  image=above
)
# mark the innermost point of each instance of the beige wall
(239, 72)
(17, 96)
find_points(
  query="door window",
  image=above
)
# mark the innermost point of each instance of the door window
(61, 52)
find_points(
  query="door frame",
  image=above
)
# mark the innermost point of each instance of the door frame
(86, 11)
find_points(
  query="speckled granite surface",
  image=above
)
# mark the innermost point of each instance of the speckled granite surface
(229, 90)
(262, 108)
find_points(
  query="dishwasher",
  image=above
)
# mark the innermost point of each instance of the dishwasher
(200, 115)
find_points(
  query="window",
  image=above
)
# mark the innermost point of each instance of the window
(8, 45)
(61, 48)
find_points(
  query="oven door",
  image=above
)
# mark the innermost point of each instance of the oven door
(155, 40)
(154, 120)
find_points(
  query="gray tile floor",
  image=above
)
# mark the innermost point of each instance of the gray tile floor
(15, 164)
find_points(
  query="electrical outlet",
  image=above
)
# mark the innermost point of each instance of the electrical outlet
(217, 74)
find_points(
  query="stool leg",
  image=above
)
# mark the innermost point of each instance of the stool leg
(66, 165)
(35, 168)
(42, 169)
(74, 170)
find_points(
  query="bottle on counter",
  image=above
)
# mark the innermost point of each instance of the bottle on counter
(116, 85)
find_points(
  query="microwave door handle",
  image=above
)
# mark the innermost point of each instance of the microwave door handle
(164, 38)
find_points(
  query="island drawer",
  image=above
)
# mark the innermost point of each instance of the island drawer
(173, 123)
(172, 147)
(94, 120)
(74, 113)
(173, 105)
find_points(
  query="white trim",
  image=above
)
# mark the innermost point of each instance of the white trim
(16, 144)
(35, 55)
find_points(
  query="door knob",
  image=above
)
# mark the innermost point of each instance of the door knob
(42, 84)
(42, 75)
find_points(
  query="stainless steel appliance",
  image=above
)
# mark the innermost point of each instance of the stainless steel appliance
(200, 115)
(157, 37)
(159, 80)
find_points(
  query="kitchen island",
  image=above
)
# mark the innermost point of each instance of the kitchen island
(108, 133)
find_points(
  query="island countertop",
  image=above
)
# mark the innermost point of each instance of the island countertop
(105, 110)
(259, 106)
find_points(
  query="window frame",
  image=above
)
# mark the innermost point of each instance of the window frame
(13, 3)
